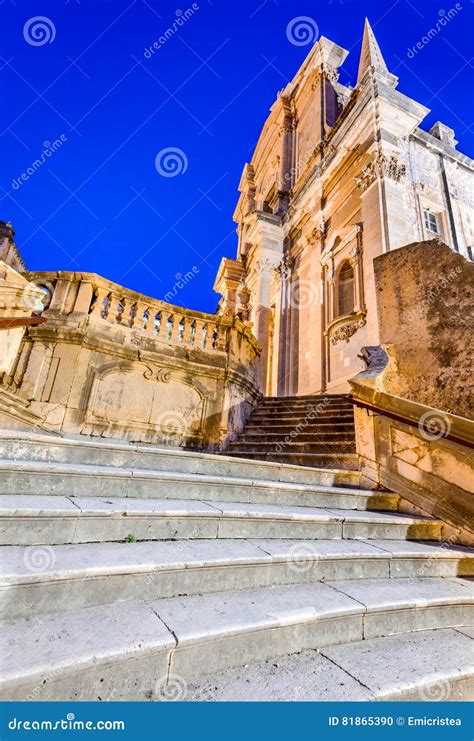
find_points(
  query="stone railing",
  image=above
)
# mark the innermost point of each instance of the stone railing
(91, 295)
(424, 454)
(113, 362)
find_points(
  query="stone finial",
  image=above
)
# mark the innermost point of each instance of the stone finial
(6, 231)
(371, 56)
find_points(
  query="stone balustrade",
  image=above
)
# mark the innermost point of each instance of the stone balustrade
(112, 362)
(104, 301)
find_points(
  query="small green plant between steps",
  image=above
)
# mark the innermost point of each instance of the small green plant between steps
(131, 538)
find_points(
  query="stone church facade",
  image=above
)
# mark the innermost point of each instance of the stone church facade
(338, 177)
(192, 508)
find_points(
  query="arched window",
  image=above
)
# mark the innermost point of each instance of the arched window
(345, 290)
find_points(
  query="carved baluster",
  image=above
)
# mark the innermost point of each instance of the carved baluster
(100, 304)
(202, 334)
(145, 319)
(120, 310)
(140, 320)
(169, 322)
(213, 336)
(158, 324)
(132, 315)
(187, 330)
(192, 332)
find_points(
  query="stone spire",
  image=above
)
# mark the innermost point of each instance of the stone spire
(370, 55)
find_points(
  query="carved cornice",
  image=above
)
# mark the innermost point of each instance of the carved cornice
(381, 166)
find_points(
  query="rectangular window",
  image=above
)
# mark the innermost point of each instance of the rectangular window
(431, 221)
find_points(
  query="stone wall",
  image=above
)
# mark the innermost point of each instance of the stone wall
(425, 309)
(413, 417)
(111, 362)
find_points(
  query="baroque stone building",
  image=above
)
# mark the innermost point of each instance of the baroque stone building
(338, 177)
(299, 548)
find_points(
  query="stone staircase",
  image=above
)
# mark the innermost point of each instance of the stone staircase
(303, 430)
(130, 572)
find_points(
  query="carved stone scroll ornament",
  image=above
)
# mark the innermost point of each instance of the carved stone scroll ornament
(381, 166)
(345, 331)
(161, 375)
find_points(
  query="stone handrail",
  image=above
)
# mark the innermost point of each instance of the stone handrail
(423, 453)
(102, 300)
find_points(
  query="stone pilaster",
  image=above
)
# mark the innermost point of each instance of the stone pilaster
(265, 234)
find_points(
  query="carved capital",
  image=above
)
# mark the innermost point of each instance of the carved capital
(331, 73)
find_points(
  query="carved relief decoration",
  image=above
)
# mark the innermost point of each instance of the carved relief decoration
(346, 330)
(381, 166)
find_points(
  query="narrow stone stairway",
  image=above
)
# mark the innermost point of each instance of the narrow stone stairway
(131, 572)
(303, 430)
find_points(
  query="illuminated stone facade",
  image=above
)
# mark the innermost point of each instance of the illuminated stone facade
(338, 177)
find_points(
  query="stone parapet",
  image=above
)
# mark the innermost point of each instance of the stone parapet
(422, 453)
(112, 362)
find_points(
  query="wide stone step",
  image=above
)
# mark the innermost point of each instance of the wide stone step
(312, 438)
(303, 408)
(53, 520)
(301, 423)
(294, 446)
(432, 665)
(287, 415)
(306, 397)
(287, 428)
(312, 460)
(330, 487)
(70, 577)
(155, 649)
(27, 448)
(303, 405)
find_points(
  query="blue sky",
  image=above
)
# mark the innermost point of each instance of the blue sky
(98, 203)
